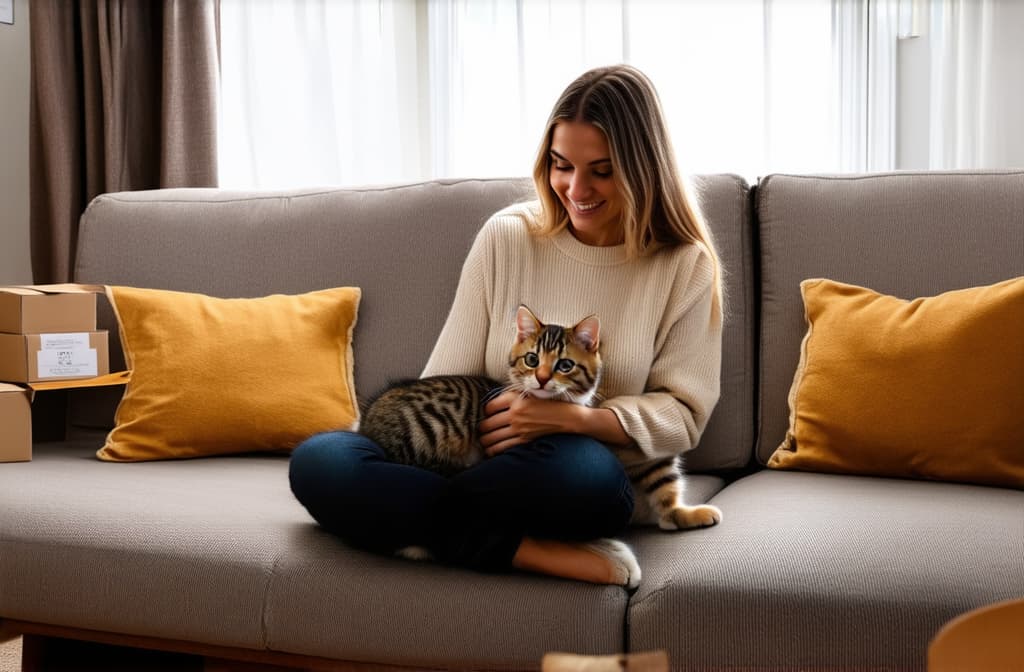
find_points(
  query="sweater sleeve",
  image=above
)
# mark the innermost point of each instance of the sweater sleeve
(462, 346)
(684, 381)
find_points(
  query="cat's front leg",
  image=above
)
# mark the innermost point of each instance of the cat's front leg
(683, 517)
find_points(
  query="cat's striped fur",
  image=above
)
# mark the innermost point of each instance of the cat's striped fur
(432, 422)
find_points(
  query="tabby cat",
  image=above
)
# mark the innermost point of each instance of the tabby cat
(432, 422)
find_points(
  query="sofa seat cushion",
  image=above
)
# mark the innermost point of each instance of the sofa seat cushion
(178, 550)
(217, 551)
(827, 571)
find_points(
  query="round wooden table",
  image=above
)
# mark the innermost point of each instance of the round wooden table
(986, 638)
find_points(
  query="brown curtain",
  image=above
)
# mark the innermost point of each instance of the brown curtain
(124, 97)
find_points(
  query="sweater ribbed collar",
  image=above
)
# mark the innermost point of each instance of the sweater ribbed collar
(589, 254)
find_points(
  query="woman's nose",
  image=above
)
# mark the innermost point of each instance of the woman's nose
(579, 186)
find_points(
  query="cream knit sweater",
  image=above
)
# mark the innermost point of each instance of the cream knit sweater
(660, 345)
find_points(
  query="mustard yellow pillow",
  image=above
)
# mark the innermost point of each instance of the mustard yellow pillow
(930, 388)
(216, 376)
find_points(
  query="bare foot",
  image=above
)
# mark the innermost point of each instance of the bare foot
(605, 561)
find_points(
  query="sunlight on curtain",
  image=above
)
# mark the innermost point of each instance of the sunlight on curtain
(709, 63)
(315, 93)
(369, 91)
(504, 64)
(801, 86)
(745, 90)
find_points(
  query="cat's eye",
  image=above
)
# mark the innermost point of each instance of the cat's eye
(565, 365)
(531, 359)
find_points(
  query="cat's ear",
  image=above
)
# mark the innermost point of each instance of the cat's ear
(527, 324)
(588, 333)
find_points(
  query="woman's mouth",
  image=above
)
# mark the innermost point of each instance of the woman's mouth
(585, 208)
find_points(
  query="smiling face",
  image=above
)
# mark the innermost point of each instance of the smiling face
(581, 177)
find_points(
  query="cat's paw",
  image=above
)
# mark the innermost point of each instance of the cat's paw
(625, 568)
(417, 553)
(687, 517)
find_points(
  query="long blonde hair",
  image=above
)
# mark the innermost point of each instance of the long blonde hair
(659, 209)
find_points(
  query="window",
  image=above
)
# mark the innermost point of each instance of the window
(342, 92)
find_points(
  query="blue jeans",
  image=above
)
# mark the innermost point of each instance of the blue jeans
(562, 486)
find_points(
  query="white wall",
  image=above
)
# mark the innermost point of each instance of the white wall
(913, 95)
(15, 265)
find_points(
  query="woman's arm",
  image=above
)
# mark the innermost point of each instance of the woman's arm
(683, 385)
(461, 347)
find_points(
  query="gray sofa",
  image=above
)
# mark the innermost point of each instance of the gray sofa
(213, 557)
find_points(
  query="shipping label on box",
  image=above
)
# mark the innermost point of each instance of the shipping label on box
(15, 423)
(30, 358)
(37, 309)
(63, 355)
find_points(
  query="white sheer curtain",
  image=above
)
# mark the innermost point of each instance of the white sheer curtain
(747, 85)
(318, 92)
(977, 84)
(364, 91)
(369, 91)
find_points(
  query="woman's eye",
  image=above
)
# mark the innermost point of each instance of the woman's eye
(532, 360)
(565, 365)
(562, 168)
(603, 174)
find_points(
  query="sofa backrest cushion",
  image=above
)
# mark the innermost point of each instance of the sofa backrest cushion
(403, 245)
(728, 439)
(905, 234)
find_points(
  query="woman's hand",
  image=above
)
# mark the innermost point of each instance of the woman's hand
(513, 419)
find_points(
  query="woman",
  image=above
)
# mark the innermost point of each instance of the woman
(614, 233)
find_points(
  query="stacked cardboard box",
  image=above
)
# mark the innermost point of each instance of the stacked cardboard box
(48, 340)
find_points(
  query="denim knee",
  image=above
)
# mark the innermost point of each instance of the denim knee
(325, 465)
(584, 470)
(588, 464)
(608, 477)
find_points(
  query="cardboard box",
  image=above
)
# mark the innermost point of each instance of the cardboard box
(15, 423)
(31, 358)
(16, 426)
(44, 309)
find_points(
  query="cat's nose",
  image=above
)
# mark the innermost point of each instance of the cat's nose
(543, 376)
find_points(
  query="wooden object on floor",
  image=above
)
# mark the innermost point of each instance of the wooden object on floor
(652, 661)
(986, 638)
